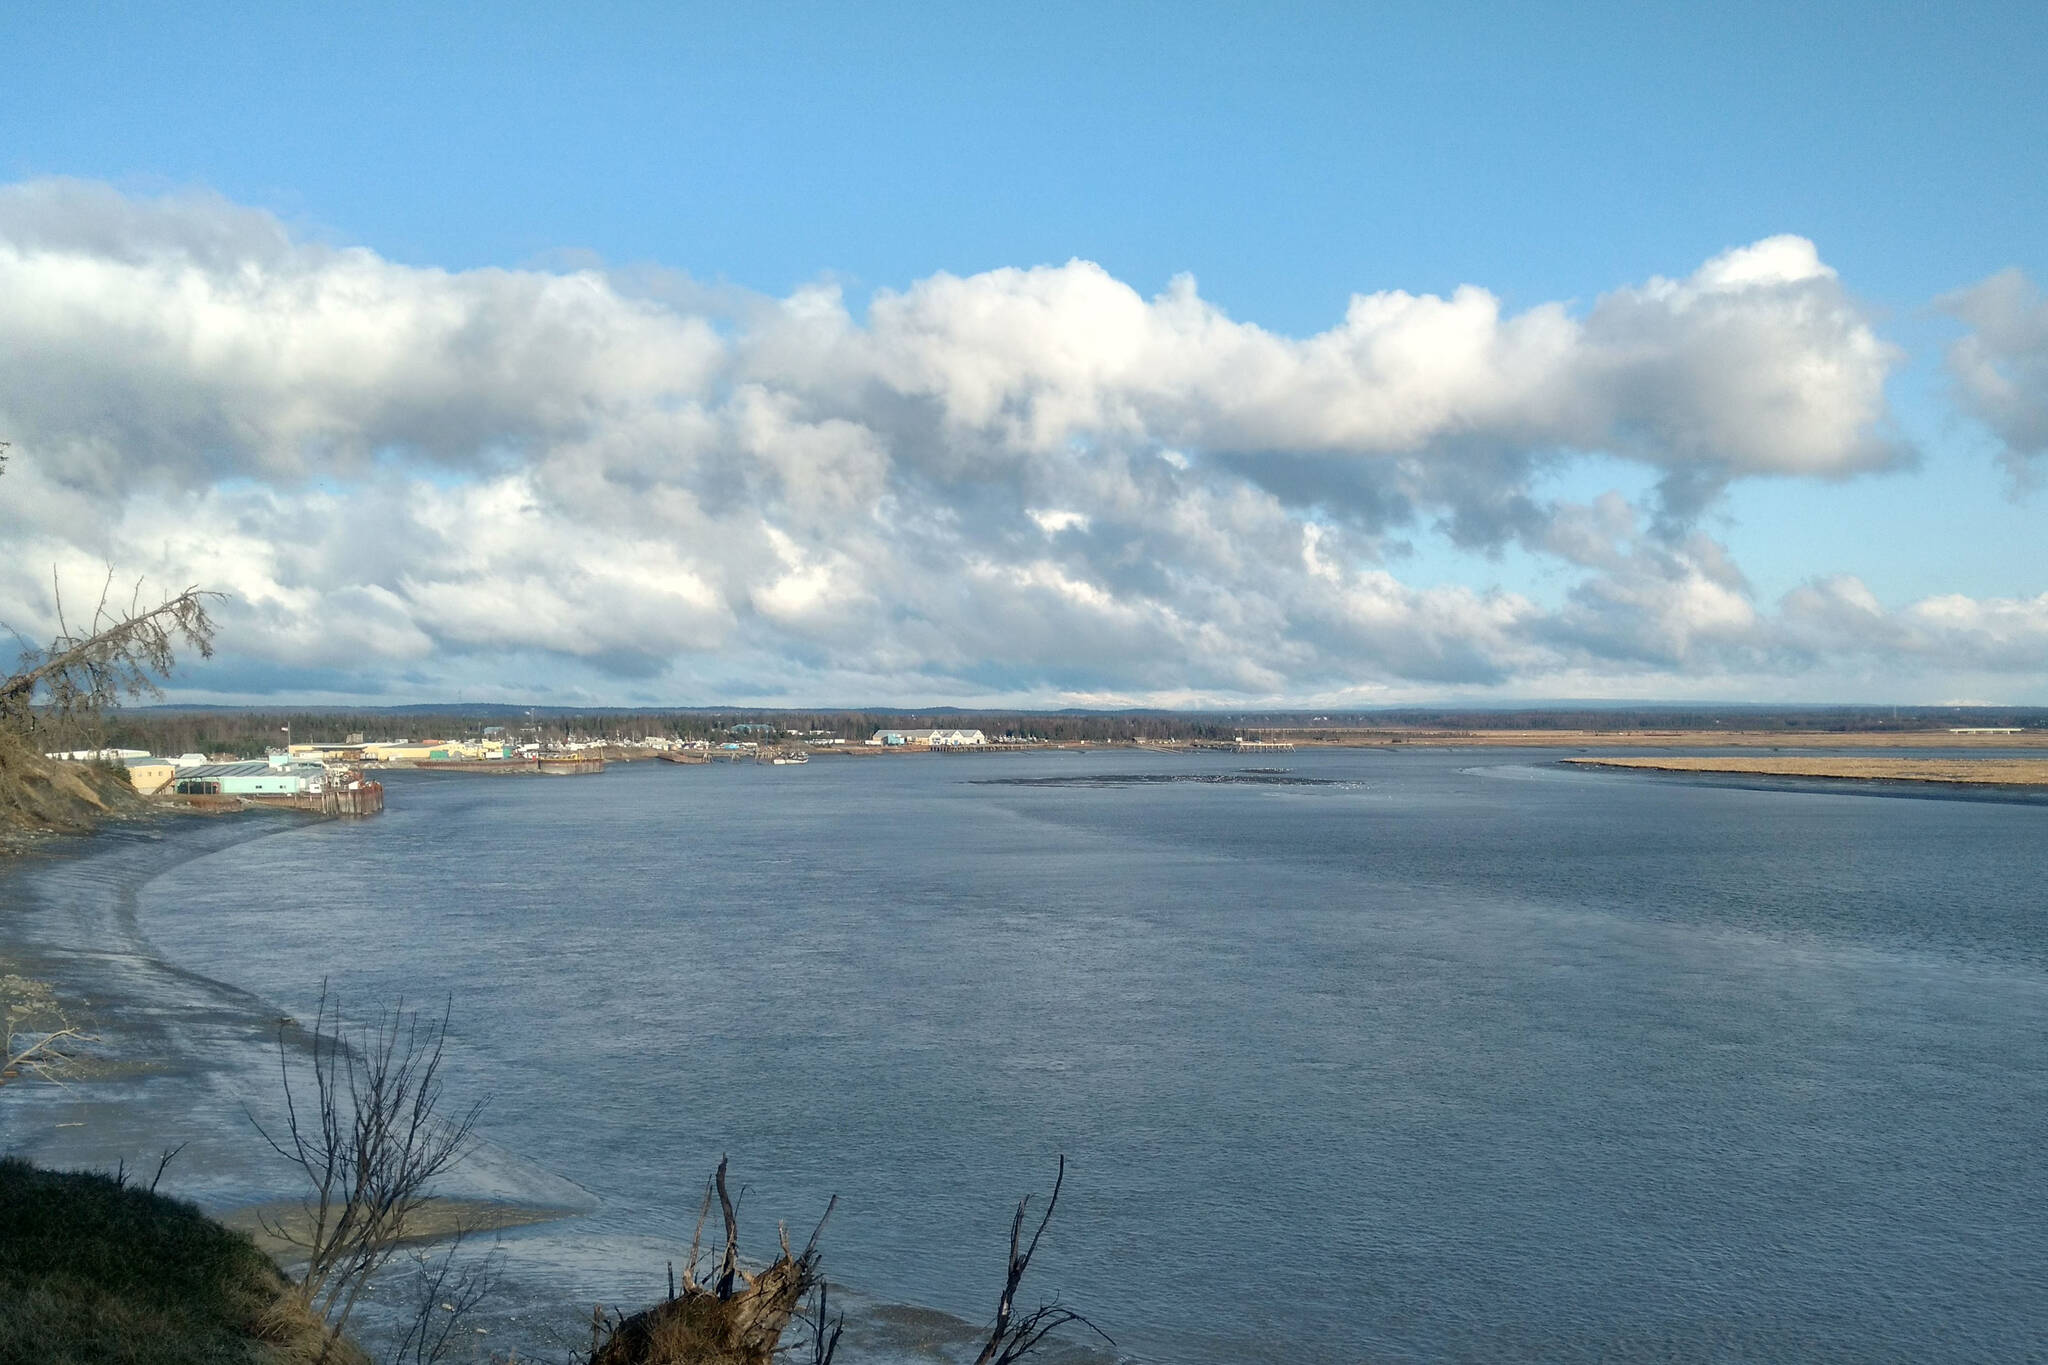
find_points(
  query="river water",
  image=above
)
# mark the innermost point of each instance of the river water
(1392, 1055)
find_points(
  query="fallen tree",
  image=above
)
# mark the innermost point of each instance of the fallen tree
(733, 1317)
(58, 692)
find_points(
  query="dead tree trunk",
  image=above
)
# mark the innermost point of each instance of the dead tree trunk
(736, 1320)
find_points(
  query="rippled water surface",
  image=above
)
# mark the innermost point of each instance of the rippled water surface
(1396, 1056)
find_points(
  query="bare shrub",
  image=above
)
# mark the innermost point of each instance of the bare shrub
(370, 1140)
(446, 1291)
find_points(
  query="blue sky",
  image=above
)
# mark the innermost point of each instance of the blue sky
(1287, 161)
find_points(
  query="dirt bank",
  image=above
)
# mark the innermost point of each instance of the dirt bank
(40, 797)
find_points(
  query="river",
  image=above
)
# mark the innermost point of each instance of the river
(1392, 1055)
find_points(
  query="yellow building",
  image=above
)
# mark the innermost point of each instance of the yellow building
(149, 774)
(399, 752)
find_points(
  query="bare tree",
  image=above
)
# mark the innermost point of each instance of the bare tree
(446, 1291)
(371, 1139)
(1012, 1338)
(120, 652)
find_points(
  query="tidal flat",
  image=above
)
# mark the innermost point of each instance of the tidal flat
(1973, 771)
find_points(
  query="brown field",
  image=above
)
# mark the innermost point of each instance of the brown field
(1996, 772)
(1658, 739)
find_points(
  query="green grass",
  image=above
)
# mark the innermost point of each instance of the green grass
(91, 1271)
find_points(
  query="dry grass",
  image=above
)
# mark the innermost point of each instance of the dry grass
(40, 795)
(1998, 772)
(92, 1269)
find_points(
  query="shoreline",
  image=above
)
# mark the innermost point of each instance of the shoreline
(174, 1056)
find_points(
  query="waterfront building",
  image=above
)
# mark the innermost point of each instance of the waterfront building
(435, 750)
(257, 777)
(937, 739)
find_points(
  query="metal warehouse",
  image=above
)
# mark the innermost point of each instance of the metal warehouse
(254, 778)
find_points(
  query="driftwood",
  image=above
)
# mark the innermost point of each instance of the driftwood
(42, 1058)
(736, 1319)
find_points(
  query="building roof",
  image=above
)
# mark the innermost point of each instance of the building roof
(252, 768)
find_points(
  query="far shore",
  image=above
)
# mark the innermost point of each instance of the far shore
(1660, 739)
(1974, 772)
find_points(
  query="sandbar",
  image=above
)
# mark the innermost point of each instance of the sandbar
(1983, 772)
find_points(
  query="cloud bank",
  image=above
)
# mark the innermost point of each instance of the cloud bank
(1024, 485)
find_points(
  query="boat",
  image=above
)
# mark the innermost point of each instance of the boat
(781, 759)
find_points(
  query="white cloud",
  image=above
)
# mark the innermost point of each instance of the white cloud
(2000, 368)
(1029, 483)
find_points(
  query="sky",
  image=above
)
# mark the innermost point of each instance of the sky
(1187, 355)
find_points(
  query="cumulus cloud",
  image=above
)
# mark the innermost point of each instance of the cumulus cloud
(197, 338)
(2000, 369)
(1025, 484)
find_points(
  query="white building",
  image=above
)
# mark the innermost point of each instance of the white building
(937, 739)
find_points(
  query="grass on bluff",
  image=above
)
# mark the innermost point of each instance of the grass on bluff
(94, 1270)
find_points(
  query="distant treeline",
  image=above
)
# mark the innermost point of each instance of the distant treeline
(250, 732)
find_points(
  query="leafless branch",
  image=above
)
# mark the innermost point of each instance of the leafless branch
(163, 1163)
(1012, 1338)
(42, 1058)
(119, 654)
(446, 1290)
(370, 1140)
(825, 1329)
